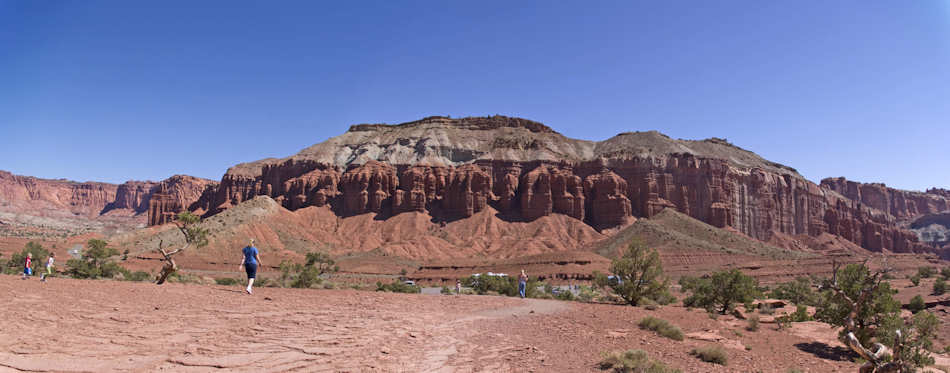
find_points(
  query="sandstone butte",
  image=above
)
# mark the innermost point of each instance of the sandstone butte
(453, 168)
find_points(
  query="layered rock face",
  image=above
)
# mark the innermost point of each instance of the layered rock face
(176, 194)
(902, 204)
(132, 195)
(44, 196)
(62, 198)
(454, 168)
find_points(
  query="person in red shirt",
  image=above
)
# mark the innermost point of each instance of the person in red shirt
(28, 268)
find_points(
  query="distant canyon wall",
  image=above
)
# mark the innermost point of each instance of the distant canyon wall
(46, 197)
(604, 193)
(43, 196)
(902, 204)
(176, 194)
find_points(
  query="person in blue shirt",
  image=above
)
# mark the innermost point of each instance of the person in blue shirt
(250, 263)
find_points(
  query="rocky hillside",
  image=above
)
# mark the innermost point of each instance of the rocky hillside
(282, 234)
(452, 169)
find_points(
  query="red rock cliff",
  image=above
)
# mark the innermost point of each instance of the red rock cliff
(37, 196)
(62, 198)
(454, 168)
(176, 194)
(132, 195)
(902, 204)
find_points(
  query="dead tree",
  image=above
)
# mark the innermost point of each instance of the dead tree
(187, 224)
(875, 359)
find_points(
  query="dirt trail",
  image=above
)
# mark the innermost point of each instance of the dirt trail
(94, 326)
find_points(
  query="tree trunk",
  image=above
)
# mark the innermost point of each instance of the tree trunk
(167, 270)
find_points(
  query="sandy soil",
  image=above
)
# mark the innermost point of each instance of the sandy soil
(83, 325)
(94, 326)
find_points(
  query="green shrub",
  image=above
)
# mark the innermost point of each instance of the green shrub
(665, 298)
(307, 277)
(916, 304)
(446, 291)
(639, 275)
(800, 314)
(502, 285)
(228, 281)
(650, 305)
(798, 292)
(783, 322)
(916, 338)
(586, 294)
(18, 261)
(880, 305)
(183, 278)
(711, 354)
(139, 276)
(940, 287)
(266, 282)
(926, 272)
(720, 291)
(309, 274)
(915, 279)
(661, 327)
(96, 262)
(753, 323)
(565, 295)
(633, 361)
(397, 287)
(945, 273)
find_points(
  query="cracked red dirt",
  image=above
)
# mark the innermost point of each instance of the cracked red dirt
(80, 325)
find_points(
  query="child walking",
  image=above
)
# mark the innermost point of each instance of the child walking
(49, 267)
(28, 267)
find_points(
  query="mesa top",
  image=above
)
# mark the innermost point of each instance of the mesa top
(250, 255)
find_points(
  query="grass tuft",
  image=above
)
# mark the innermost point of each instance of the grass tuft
(711, 354)
(661, 327)
(633, 361)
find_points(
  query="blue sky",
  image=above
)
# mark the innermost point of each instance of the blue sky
(111, 91)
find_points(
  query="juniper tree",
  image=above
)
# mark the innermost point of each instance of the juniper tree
(189, 226)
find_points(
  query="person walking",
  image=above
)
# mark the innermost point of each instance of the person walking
(49, 267)
(522, 283)
(250, 262)
(458, 287)
(28, 266)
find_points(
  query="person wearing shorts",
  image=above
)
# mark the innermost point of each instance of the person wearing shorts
(250, 263)
(49, 268)
(28, 266)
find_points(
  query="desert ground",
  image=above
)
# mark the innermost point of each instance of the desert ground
(69, 325)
